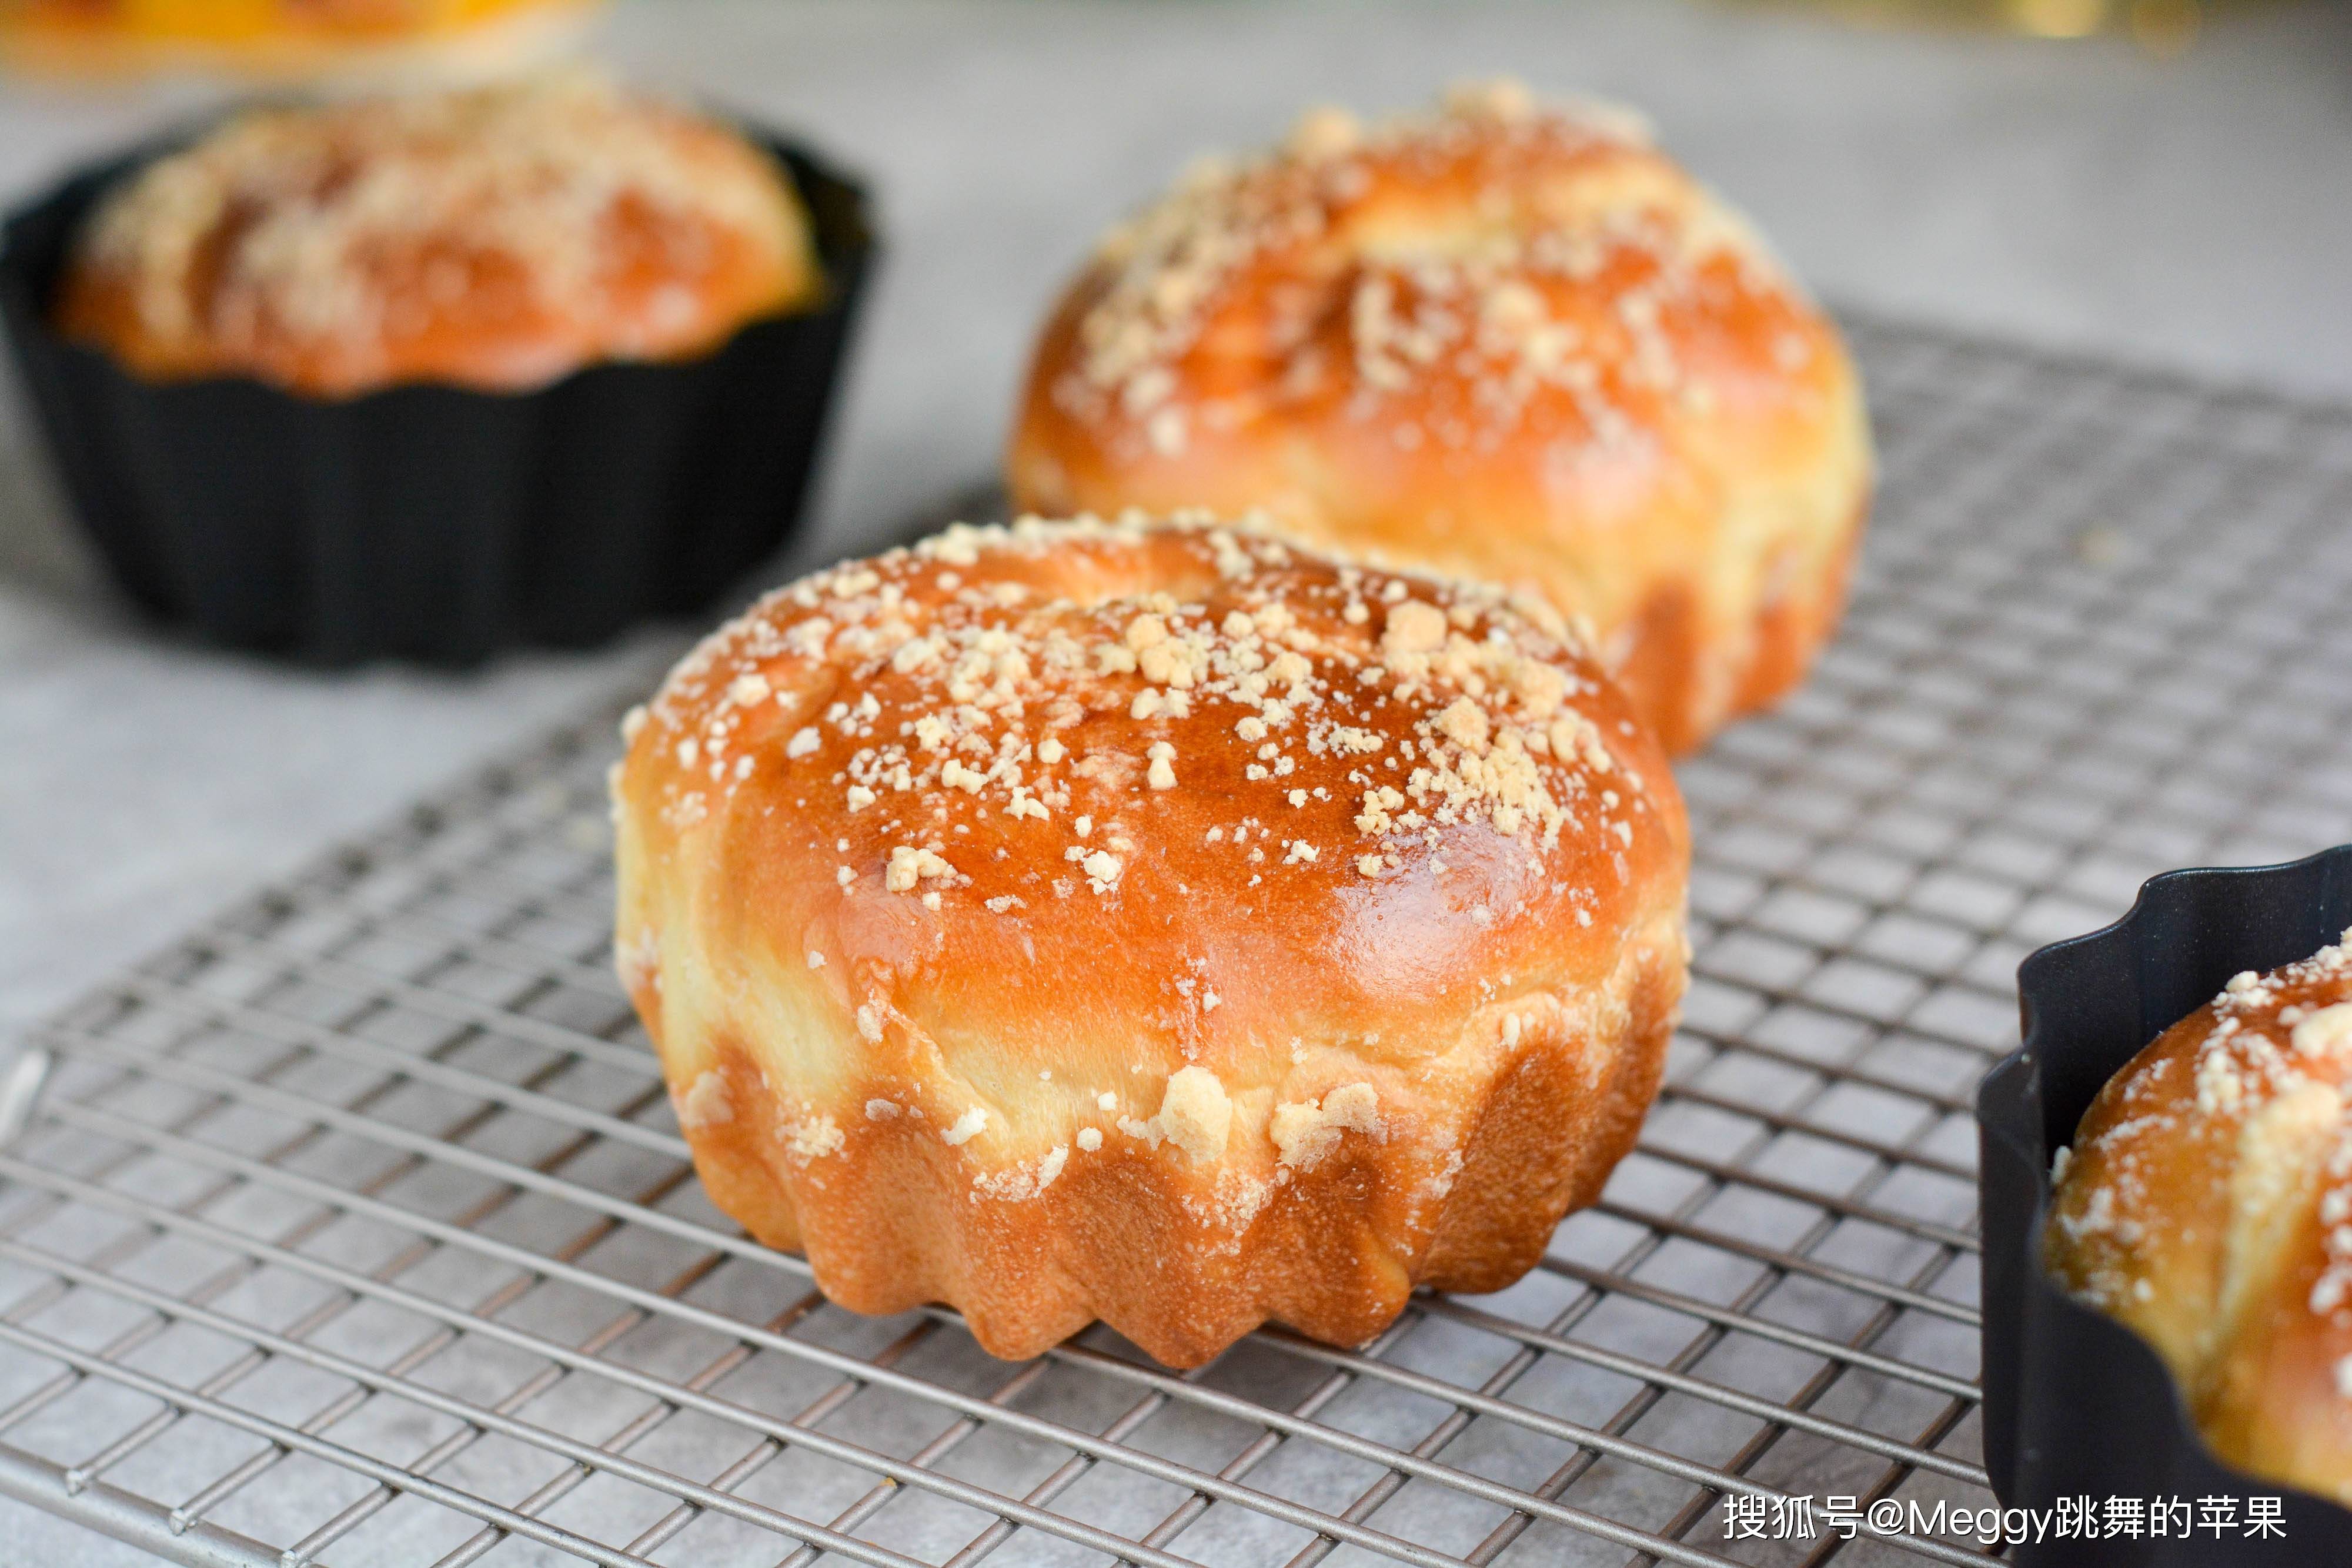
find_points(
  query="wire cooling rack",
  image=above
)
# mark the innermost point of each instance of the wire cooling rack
(355, 1228)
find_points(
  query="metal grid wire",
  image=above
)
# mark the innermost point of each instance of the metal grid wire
(355, 1228)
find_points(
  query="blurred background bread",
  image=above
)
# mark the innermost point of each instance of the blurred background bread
(1153, 923)
(415, 40)
(1509, 339)
(494, 238)
(2206, 1203)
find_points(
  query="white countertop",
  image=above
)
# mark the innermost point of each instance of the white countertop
(2193, 212)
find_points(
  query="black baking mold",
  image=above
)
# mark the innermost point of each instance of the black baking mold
(431, 522)
(2077, 1405)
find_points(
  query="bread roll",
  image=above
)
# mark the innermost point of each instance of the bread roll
(1507, 339)
(495, 239)
(2207, 1204)
(1149, 923)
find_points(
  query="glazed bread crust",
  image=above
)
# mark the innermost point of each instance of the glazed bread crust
(1149, 923)
(1506, 341)
(2207, 1204)
(495, 239)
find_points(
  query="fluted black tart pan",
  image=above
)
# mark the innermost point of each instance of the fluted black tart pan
(2077, 1405)
(437, 523)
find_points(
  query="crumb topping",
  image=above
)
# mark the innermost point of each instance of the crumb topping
(1195, 1114)
(1001, 719)
(704, 1104)
(971, 1124)
(1003, 740)
(637, 962)
(1500, 253)
(375, 219)
(814, 1137)
(2269, 1076)
(1306, 1132)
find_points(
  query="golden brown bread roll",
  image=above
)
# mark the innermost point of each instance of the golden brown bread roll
(496, 238)
(2207, 1204)
(1148, 922)
(1505, 340)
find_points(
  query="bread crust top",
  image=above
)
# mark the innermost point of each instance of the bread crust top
(496, 238)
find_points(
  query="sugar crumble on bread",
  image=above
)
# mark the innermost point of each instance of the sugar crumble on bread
(1505, 338)
(1454, 706)
(1506, 300)
(1305, 1132)
(1159, 871)
(324, 248)
(704, 1102)
(938, 697)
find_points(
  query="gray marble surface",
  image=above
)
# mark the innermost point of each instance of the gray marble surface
(2193, 212)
